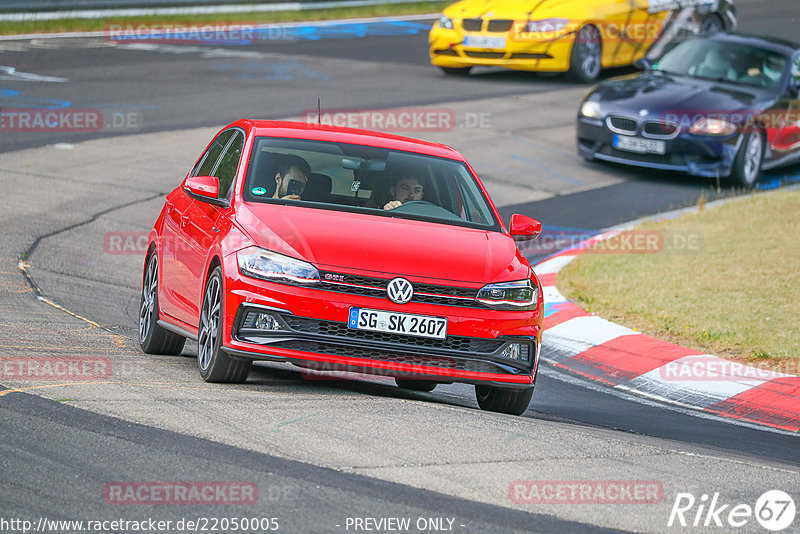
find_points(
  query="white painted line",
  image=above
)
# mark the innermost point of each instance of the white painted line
(11, 73)
(551, 295)
(264, 26)
(697, 393)
(642, 397)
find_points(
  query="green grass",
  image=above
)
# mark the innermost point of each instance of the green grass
(76, 25)
(727, 282)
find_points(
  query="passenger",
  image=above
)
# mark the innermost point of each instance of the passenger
(291, 178)
(766, 73)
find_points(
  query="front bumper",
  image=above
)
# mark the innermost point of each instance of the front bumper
(704, 156)
(312, 332)
(447, 50)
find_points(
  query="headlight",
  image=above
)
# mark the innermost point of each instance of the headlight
(267, 265)
(546, 26)
(706, 126)
(591, 109)
(446, 23)
(520, 295)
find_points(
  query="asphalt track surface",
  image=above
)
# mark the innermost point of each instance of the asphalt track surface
(58, 457)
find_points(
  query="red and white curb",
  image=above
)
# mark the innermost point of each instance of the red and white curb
(594, 348)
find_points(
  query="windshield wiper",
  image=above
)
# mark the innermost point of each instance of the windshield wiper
(716, 79)
(671, 73)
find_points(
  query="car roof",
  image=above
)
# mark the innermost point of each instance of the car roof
(322, 132)
(775, 44)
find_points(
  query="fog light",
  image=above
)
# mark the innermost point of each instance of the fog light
(516, 351)
(261, 321)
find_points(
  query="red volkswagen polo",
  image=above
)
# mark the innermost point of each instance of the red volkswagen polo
(348, 250)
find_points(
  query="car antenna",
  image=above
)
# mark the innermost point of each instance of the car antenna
(319, 111)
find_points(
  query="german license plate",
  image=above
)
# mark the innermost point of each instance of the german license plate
(479, 41)
(639, 145)
(397, 323)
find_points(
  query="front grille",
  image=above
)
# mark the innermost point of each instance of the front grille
(394, 356)
(445, 52)
(660, 129)
(622, 125)
(472, 25)
(530, 55)
(332, 328)
(424, 293)
(485, 55)
(499, 25)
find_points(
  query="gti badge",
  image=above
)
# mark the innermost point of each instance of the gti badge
(399, 290)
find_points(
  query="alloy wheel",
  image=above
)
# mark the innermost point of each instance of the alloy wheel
(209, 323)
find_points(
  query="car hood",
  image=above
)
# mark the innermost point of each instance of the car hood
(380, 244)
(661, 93)
(517, 9)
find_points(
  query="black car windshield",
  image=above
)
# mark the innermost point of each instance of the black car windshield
(366, 179)
(723, 61)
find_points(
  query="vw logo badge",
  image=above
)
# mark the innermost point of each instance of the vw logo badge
(399, 290)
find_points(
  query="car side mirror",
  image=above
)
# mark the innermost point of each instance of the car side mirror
(204, 189)
(643, 63)
(524, 228)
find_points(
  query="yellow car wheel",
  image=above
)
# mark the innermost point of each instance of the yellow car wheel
(584, 61)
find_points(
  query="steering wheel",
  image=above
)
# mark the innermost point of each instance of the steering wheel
(425, 208)
(416, 202)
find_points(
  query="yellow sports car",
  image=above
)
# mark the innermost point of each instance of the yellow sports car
(575, 36)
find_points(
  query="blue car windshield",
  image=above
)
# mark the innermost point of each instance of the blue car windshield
(728, 62)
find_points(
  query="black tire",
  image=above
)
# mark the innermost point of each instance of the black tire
(214, 364)
(153, 338)
(747, 165)
(456, 71)
(415, 385)
(585, 58)
(712, 24)
(510, 401)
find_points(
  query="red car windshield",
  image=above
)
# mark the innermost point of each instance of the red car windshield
(366, 179)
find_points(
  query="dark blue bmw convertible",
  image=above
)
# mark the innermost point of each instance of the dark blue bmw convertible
(724, 106)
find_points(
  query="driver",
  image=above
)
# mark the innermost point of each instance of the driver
(291, 178)
(404, 187)
(773, 67)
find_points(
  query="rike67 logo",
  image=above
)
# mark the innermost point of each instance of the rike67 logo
(774, 510)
